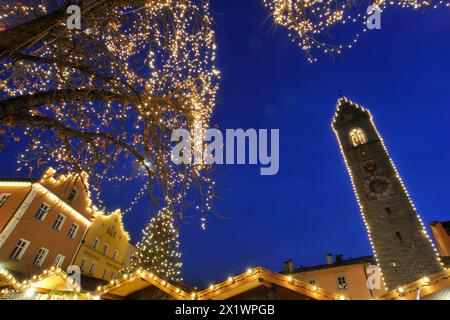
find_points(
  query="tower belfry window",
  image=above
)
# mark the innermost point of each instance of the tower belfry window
(358, 137)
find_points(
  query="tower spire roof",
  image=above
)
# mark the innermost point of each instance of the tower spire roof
(346, 106)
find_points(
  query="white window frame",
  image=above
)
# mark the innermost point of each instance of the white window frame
(59, 260)
(3, 198)
(42, 218)
(15, 256)
(344, 285)
(77, 227)
(96, 243)
(59, 227)
(83, 263)
(105, 273)
(115, 254)
(105, 249)
(40, 257)
(92, 267)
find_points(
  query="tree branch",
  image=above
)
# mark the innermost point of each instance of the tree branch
(27, 102)
(52, 124)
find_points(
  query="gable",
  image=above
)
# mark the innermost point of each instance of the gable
(271, 292)
(63, 184)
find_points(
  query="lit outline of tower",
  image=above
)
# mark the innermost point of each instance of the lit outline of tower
(344, 102)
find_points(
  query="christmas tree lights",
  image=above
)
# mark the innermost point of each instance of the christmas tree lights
(158, 249)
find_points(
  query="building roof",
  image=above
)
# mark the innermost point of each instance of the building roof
(7, 280)
(429, 288)
(258, 277)
(90, 283)
(19, 179)
(446, 226)
(443, 294)
(49, 280)
(351, 261)
(232, 287)
(345, 106)
(140, 280)
(446, 261)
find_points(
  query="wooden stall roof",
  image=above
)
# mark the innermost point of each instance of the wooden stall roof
(7, 280)
(139, 280)
(257, 277)
(421, 288)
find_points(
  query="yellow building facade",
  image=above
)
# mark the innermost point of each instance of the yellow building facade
(345, 277)
(105, 247)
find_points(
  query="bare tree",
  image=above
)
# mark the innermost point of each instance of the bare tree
(105, 96)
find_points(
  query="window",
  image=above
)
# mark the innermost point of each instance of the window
(342, 283)
(399, 236)
(19, 249)
(358, 137)
(105, 249)
(3, 198)
(40, 257)
(59, 222)
(92, 268)
(73, 231)
(59, 260)
(95, 243)
(111, 232)
(105, 274)
(115, 254)
(42, 211)
(83, 264)
(73, 195)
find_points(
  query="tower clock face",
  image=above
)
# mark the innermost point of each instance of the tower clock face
(378, 187)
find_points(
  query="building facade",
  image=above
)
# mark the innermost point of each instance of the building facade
(441, 233)
(345, 277)
(400, 242)
(105, 249)
(42, 222)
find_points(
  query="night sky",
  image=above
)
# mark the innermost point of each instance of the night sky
(401, 73)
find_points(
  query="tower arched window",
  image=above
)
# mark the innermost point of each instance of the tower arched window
(358, 137)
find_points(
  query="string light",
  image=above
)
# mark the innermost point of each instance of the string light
(343, 102)
(311, 22)
(214, 290)
(158, 75)
(158, 249)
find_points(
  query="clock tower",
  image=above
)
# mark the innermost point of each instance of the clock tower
(401, 245)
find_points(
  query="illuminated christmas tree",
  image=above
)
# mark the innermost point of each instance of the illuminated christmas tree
(158, 249)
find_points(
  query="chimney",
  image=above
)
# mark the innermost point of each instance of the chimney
(329, 258)
(289, 266)
(339, 258)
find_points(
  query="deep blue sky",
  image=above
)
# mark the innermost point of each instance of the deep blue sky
(401, 73)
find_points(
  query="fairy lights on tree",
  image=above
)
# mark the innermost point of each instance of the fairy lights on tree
(158, 249)
(315, 24)
(105, 99)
